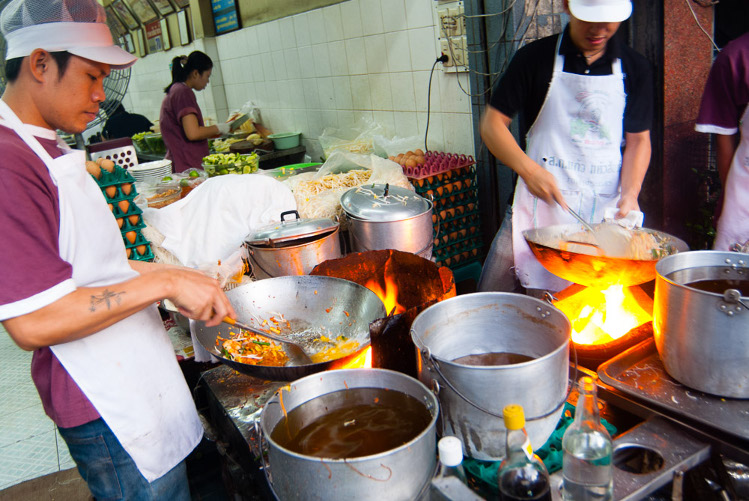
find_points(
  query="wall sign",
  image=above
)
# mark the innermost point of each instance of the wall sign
(225, 16)
(127, 17)
(154, 37)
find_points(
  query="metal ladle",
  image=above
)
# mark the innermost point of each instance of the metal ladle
(295, 352)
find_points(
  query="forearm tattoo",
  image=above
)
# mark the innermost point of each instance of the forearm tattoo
(107, 297)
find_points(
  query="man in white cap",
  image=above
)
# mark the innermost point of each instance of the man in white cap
(579, 96)
(103, 364)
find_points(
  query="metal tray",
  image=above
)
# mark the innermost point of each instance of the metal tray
(640, 373)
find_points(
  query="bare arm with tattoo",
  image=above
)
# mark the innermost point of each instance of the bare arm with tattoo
(89, 309)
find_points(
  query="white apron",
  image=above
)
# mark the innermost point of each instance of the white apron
(128, 371)
(733, 225)
(577, 136)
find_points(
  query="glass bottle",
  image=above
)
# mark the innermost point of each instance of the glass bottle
(521, 474)
(450, 482)
(587, 451)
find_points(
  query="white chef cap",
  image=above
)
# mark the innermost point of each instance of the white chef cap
(76, 26)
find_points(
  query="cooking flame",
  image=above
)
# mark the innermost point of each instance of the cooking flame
(388, 295)
(599, 317)
(362, 361)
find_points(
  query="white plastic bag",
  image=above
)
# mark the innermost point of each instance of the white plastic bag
(318, 194)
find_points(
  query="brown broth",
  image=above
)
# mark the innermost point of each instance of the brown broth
(720, 286)
(494, 358)
(352, 423)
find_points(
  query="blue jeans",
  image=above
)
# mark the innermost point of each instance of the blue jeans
(111, 473)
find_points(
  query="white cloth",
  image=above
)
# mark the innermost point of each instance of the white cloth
(577, 137)
(213, 221)
(128, 370)
(733, 225)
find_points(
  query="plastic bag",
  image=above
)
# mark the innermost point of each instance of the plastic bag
(318, 194)
(359, 139)
(392, 146)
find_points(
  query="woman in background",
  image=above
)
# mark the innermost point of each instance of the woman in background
(181, 121)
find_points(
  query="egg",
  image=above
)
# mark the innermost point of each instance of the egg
(141, 249)
(124, 205)
(126, 188)
(129, 252)
(134, 219)
(131, 236)
(120, 222)
(399, 158)
(93, 169)
(111, 207)
(111, 191)
(99, 161)
(107, 165)
(419, 152)
(410, 163)
(420, 160)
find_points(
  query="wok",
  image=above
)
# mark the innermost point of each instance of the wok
(582, 264)
(313, 305)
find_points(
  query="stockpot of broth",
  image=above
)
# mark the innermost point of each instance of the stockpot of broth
(364, 434)
(701, 320)
(483, 351)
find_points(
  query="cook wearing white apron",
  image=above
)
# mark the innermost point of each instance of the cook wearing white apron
(577, 136)
(128, 371)
(733, 225)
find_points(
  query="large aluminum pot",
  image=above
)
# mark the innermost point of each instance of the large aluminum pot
(293, 247)
(703, 337)
(397, 474)
(494, 322)
(389, 217)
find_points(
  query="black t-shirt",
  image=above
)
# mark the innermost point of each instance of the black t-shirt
(522, 89)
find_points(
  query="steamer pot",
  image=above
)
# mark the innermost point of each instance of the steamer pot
(703, 337)
(494, 322)
(397, 474)
(382, 217)
(293, 247)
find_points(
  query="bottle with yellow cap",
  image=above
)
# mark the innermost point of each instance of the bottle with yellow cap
(587, 450)
(521, 474)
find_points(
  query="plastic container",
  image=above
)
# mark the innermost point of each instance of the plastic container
(285, 140)
(155, 143)
(190, 179)
(162, 194)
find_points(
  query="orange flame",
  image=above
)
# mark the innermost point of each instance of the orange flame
(362, 361)
(388, 295)
(599, 317)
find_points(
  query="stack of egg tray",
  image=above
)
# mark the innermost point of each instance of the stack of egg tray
(456, 218)
(118, 187)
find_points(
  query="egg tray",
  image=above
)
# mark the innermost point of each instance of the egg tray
(132, 209)
(421, 185)
(119, 195)
(468, 245)
(127, 225)
(459, 259)
(456, 219)
(117, 176)
(447, 239)
(147, 256)
(437, 162)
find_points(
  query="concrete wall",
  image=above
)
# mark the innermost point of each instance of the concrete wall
(330, 67)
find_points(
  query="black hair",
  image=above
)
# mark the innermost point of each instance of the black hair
(182, 66)
(13, 66)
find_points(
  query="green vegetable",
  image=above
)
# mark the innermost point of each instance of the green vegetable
(230, 163)
(261, 343)
(184, 182)
(194, 173)
(166, 178)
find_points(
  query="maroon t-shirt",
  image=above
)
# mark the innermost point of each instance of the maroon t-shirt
(33, 273)
(179, 102)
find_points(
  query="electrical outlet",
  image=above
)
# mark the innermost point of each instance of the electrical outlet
(459, 51)
(455, 21)
(444, 20)
(445, 49)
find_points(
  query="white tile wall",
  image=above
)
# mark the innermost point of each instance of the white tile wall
(330, 67)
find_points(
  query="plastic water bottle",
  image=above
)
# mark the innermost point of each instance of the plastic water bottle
(521, 475)
(586, 465)
(450, 482)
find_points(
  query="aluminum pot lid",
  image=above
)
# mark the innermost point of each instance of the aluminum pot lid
(382, 202)
(290, 230)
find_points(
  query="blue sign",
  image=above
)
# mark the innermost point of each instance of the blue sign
(225, 15)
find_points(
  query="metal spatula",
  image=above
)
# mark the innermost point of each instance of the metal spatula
(294, 351)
